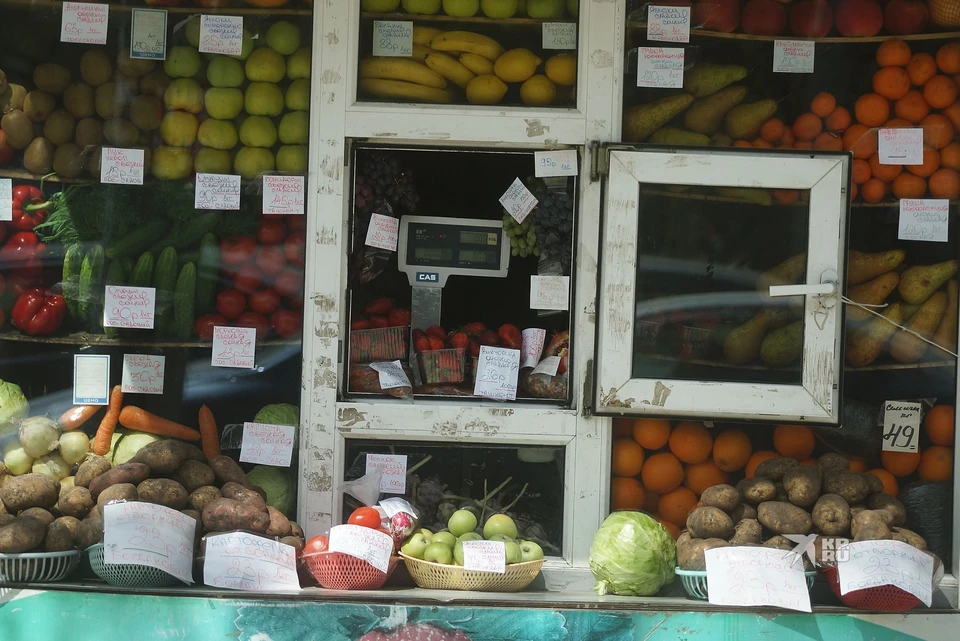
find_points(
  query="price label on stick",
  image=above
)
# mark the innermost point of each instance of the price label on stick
(383, 232)
(559, 162)
(84, 23)
(282, 195)
(373, 546)
(497, 370)
(242, 561)
(143, 373)
(660, 67)
(391, 374)
(217, 191)
(750, 576)
(668, 24)
(129, 307)
(793, 56)
(138, 533)
(485, 556)
(91, 379)
(559, 35)
(868, 564)
(924, 219)
(518, 201)
(148, 34)
(393, 471)
(266, 444)
(121, 166)
(221, 34)
(6, 199)
(532, 340)
(900, 146)
(901, 426)
(234, 347)
(393, 38)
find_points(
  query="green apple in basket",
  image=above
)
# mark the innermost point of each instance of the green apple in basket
(445, 538)
(458, 548)
(499, 524)
(502, 537)
(415, 546)
(461, 522)
(511, 550)
(530, 551)
(438, 553)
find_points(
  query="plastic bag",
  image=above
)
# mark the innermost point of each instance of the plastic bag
(365, 489)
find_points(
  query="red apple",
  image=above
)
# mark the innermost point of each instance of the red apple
(717, 15)
(811, 18)
(905, 17)
(859, 18)
(764, 17)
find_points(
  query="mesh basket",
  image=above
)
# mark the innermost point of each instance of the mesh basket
(338, 571)
(443, 366)
(885, 598)
(695, 582)
(944, 13)
(128, 575)
(381, 344)
(436, 576)
(38, 567)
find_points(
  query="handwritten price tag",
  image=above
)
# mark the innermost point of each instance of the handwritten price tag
(793, 56)
(393, 471)
(391, 375)
(392, 38)
(550, 292)
(660, 67)
(560, 162)
(148, 35)
(91, 379)
(221, 34)
(668, 24)
(395, 505)
(531, 346)
(872, 563)
(747, 576)
(234, 347)
(217, 191)
(485, 556)
(548, 366)
(146, 534)
(130, 307)
(265, 444)
(143, 373)
(283, 195)
(383, 232)
(901, 146)
(518, 201)
(924, 219)
(559, 35)
(901, 426)
(121, 166)
(248, 562)
(497, 370)
(6, 199)
(84, 23)
(373, 546)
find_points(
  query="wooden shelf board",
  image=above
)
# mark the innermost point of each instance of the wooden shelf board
(371, 15)
(55, 5)
(84, 338)
(704, 33)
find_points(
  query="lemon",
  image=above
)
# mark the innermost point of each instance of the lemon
(486, 89)
(538, 91)
(516, 65)
(562, 69)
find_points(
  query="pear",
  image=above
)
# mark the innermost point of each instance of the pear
(865, 344)
(706, 115)
(918, 283)
(721, 139)
(783, 346)
(907, 348)
(743, 122)
(872, 292)
(786, 273)
(749, 194)
(946, 334)
(640, 121)
(862, 267)
(706, 78)
(742, 344)
(675, 136)
(909, 311)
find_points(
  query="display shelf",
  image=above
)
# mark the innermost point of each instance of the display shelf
(705, 33)
(886, 204)
(84, 338)
(23, 174)
(372, 15)
(240, 10)
(879, 367)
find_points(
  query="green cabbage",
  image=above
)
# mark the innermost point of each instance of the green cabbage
(278, 414)
(632, 555)
(279, 485)
(13, 405)
(121, 452)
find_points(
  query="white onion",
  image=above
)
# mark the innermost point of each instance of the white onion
(66, 484)
(39, 435)
(52, 465)
(74, 446)
(17, 461)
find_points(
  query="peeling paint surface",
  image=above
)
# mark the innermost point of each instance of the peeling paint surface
(601, 59)
(535, 128)
(349, 416)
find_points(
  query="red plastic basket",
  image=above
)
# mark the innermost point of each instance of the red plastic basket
(338, 571)
(884, 598)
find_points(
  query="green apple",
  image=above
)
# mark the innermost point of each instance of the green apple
(445, 537)
(265, 65)
(461, 522)
(172, 163)
(500, 524)
(182, 62)
(512, 552)
(461, 8)
(530, 551)
(246, 48)
(264, 99)
(573, 8)
(438, 553)
(458, 548)
(379, 6)
(224, 71)
(415, 545)
(224, 104)
(425, 7)
(258, 131)
(294, 128)
(298, 65)
(298, 95)
(250, 162)
(218, 134)
(192, 31)
(545, 9)
(499, 9)
(427, 533)
(185, 94)
(502, 537)
(179, 128)
(292, 159)
(212, 161)
(283, 37)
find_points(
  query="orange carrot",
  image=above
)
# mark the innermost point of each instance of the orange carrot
(143, 421)
(209, 438)
(77, 416)
(101, 442)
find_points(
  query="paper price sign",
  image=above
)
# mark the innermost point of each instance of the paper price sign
(121, 166)
(84, 23)
(901, 146)
(901, 426)
(924, 219)
(221, 34)
(393, 471)
(283, 195)
(518, 201)
(485, 556)
(660, 67)
(749, 576)
(383, 232)
(392, 38)
(497, 370)
(217, 191)
(248, 562)
(138, 533)
(395, 505)
(548, 366)
(668, 24)
(531, 343)
(561, 162)
(391, 375)
(234, 347)
(373, 546)
(559, 35)
(550, 292)
(6, 199)
(793, 56)
(868, 564)
(148, 35)
(265, 444)
(91, 379)
(129, 307)
(143, 374)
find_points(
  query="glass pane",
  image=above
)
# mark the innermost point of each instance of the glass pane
(704, 257)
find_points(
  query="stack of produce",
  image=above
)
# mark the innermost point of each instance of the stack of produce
(548, 230)
(495, 9)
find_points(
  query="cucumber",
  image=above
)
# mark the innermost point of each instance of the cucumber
(72, 263)
(165, 280)
(183, 299)
(207, 274)
(91, 286)
(116, 275)
(189, 233)
(142, 273)
(137, 240)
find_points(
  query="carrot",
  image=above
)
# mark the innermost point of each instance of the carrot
(143, 421)
(101, 442)
(209, 438)
(77, 416)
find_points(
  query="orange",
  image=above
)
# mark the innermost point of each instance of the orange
(662, 473)
(794, 441)
(672, 528)
(807, 126)
(786, 196)
(742, 143)
(948, 58)
(703, 475)
(854, 190)
(912, 107)
(772, 130)
(953, 113)
(921, 68)
(760, 143)
(788, 138)
(890, 485)
(945, 183)
(940, 92)
(897, 123)
(874, 190)
(828, 141)
(838, 120)
(891, 82)
(731, 450)
(627, 457)
(651, 433)
(650, 501)
(691, 442)
(861, 140)
(937, 131)
(626, 493)
(756, 459)
(931, 161)
(871, 110)
(622, 427)
(803, 144)
(676, 505)
(808, 461)
(900, 463)
(860, 171)
(906, 185)
(938, 424)
(823, 104)
(858, 465)
(886, 173)
(950, 156)
(893, 52)
(936, 464)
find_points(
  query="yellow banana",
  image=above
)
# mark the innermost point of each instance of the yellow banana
(403, 91)
(467, 41)
(450, 69)
(401, 69)
(420, 52)
(475, 63)
(423, 35)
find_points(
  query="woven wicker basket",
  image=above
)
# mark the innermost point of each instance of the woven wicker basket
(435, 576)
(944, 13)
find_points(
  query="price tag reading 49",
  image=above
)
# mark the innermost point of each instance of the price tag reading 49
(901, 426)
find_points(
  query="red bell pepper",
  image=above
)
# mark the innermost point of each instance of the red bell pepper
(25, 217)
(20, 249)
(38, 313)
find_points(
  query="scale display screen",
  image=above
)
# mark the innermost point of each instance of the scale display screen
(452, 246)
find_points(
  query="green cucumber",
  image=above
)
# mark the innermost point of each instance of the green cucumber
(142, 273)
(116, 275)
(72, 263)
(165, 280)
(183, 299)
(137, 240)
(91, 286)
(189, 233)
(207, 274)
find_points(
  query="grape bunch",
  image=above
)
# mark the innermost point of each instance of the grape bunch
(553, 222)
(388, 181)
(523, 236)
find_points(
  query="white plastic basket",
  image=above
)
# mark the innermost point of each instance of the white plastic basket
(128, 575)
(695, 582)
(38, 567)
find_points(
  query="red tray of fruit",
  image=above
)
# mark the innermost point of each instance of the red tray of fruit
(382, 344)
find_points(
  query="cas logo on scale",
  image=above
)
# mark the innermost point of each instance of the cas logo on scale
(427, 277)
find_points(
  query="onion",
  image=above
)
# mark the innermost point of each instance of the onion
(74, 446)
(17, 461)
(39, 435)
(52, 465)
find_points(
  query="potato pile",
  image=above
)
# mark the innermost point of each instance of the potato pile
(36, 516)
(784, 497)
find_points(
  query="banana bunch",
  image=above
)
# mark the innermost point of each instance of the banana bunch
(403, 79)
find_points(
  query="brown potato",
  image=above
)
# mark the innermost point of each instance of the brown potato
(22, 535)
(76, 502)
(7, 519)
(887, 503)
(119, 492)
(909, 537)
(852, 487)
(62, 535)
(296, 530)
(747, 532)
(833, 461)
(802, 485)
(779, 542)
(723, 496)
(831, 515)
(90, 532)
(90, 469)
(279, 524)
(870, 525)
(165, 492)
(193, 474)
(781, 493)
(40, 514)
(295, 541)
(756, 490)
(164, 457)
(873, 483)
(29, 490)
(709, 523)
(227, 470)
(202, 497)
(775, 468)
(128, 473)
(690, 553)
(238, 492)
(193, 514)
(226, 515)
(784, 518)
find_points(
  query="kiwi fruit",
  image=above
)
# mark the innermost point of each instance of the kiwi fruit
(133, 67)
(146, 112)
(3, 82)
(154, 83)
(59, 127)
(38, 158)
(12, 98)
(78, 100)
(17, 129)
(120, 132)
(51, 77)
(38, 104)
(69, 160)
(89, 132)
(108, 101)
(95, 67)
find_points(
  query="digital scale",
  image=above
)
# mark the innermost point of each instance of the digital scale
(431, 249)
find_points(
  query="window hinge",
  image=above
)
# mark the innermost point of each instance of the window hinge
(339, 352)
(586, 408)
(599, 160)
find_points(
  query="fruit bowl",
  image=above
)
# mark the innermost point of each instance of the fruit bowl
(436, 576)
(338, 571)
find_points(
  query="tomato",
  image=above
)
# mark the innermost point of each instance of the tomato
(248, 279)
(205, 324)
(289, 282)
(237, 250)
(264, 302)
(365, 517)
(2, 284)
(286, 323)
(294, 248)
(271, 259)
(271, 232)
(316, 545)
(296, 222)
(255, 320)
(231, 303)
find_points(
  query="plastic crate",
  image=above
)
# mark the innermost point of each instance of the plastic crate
(695, 582)
(381, 344)
(128, 575)
(338, 571)
(38, 567)
(435, 576)
(443, 365)
(884, 598)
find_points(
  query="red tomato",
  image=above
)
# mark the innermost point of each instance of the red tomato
(255, 320)
(294, 248)
(2, 284)
(365, 517)
(205, 324)
(231, 303)
(286, 323)
(237, 250)
(271, 260)
(316, 545)
(289, 282)
(296, 223)
(264, 302)
(248, 279)
(271, 232)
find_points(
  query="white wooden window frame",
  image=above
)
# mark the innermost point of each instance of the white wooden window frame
(816, 399)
